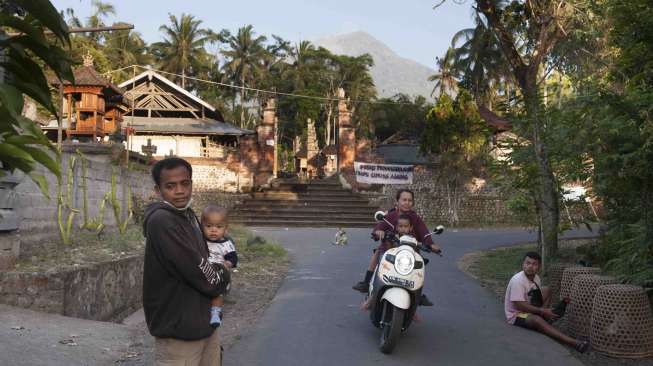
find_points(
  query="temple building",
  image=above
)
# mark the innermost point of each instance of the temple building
(93, 107)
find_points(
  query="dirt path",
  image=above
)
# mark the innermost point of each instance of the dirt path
(34, 338)
(252, 291)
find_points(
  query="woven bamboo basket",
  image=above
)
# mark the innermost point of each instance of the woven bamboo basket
(579, 313)
(554, 274)
(568, 276)
(622, 322)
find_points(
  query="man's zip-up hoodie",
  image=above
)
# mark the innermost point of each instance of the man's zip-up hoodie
(178, 280)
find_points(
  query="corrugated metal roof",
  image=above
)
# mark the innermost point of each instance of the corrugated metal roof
(189, 126)
(401, 154)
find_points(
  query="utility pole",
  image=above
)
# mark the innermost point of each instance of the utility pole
(131, 119)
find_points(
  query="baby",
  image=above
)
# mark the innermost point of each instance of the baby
(221, 250)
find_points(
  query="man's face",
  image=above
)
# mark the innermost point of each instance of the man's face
(405, 202)
(176, 186)
(530, 266)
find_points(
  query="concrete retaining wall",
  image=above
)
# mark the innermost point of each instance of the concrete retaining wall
(38, 215)
(104, 291)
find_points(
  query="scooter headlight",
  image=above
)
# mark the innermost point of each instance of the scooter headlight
(404, 262)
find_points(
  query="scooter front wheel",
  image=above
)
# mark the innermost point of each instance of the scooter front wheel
(392, 321)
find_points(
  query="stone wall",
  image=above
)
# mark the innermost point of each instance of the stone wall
(38, 214)
(224, 199)
(217, 175)
(104, 291)
(482, 204)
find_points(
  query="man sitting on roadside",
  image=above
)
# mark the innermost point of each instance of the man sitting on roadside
(527, 303)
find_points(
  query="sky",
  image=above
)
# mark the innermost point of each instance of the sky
(411, 28)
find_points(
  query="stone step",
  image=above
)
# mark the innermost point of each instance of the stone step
(328, 181)
(307, 223)
(316, 216)
(304, 209)
(309, 199)
(295, 203)
(309, 187)
(294, 195)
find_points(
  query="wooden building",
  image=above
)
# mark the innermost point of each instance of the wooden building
(176, 121)
(93, 107)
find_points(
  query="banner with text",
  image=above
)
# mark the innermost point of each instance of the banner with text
(383, 173)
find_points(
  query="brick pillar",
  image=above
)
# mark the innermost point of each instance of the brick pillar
(346, 136)
(249, 161)
(266, 132)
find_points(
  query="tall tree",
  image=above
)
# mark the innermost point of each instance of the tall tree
(445, 79)
(124, 48)
(478, 61)
(101, 10)
(527, 33)
(457, 134)
(182, 49)
(359, 85)
(244, 60)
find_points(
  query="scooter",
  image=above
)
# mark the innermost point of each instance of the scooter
(396, 287)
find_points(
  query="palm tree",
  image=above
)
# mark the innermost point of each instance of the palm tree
(244, 60)
(300, 54)
(125, 48)
(445, 79)
(101, 10)
(276, 54)
(72, 19)
(182, 50)
(478, 59)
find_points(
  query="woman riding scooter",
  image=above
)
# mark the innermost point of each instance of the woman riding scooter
(404, 205)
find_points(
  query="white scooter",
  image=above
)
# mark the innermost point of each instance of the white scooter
(396, 287)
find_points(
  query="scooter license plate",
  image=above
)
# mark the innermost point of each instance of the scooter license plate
(400, 281)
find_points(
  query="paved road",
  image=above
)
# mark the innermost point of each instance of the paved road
(315, 320)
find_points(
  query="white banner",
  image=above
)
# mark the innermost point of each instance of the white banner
(383, 173)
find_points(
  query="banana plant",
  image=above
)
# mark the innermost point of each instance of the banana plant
(25, 48)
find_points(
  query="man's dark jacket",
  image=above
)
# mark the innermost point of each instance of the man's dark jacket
(178, 280)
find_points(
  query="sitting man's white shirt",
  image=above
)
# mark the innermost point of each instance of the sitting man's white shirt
(518, 289)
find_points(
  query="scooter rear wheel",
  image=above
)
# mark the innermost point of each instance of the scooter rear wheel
(393, 320)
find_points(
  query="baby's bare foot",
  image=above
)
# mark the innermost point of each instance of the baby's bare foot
(365, 305)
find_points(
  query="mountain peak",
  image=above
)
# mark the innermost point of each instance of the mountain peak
(392, 73)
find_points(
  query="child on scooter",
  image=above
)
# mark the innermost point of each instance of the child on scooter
(221, 250)
(403, 227)
(404, 206)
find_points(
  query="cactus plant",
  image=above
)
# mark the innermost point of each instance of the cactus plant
(65, 203)
(117, 207)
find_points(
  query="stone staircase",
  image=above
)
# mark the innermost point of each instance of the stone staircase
(316, 203)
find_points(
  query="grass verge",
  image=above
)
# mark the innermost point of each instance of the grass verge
(88, 248)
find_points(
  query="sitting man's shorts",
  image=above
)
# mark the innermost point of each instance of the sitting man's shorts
(520, 321)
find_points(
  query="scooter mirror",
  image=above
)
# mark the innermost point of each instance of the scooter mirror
(379, 215)
(438, 229)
